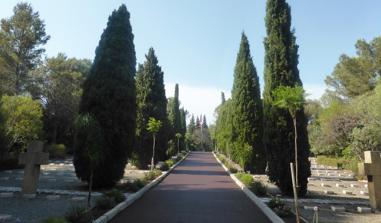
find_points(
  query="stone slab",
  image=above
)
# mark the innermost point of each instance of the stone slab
(364, 210)
(338, 208)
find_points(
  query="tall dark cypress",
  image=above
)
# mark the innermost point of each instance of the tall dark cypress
(175, 116)
(109, 95)
(247, 112)
(183, 117)
(151, 102)
(281, 61)
(191, 125)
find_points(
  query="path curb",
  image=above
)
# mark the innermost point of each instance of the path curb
(108, 216)
(257, 201)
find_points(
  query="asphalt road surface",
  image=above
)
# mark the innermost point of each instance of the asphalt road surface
(197, 191)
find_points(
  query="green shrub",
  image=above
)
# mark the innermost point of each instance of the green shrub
(9, 164)
(132, 186)
(116, 195)
(246, 179)
(105, 203)
(169, 163)
(279, 207)
(258, 188)
(151, 175)
(57, 151)
(78, 214)
(54, 220)
(347, 164)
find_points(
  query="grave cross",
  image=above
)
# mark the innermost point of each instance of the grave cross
(32, 160)
(372, 169)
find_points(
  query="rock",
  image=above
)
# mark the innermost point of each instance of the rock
(161, 166)
(29, 196)
(5, 217)
(347, 192)
(338, 208)
(6, 194)
(364, 210)
(78, 198)
(53, 197)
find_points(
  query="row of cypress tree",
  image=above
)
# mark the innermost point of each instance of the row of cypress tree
(120, 104)
(253, 132)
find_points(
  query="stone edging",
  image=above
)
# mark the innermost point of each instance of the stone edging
(257, 201)
(135, 196)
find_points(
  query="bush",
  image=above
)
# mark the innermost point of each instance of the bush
(132, 186)
(116, 195)
(57, 151)
(105, 203)
(347, 164)
(9, 164)
(246, 179)
(258, 188)
(151, 175)
(54, 220)
(279, 207)
(78, 214)
(170, 163)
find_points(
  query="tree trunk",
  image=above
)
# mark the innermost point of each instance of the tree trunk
(90, 189)
(153, 153)
(296, 153)
(178, 146)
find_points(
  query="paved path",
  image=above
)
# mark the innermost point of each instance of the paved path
(198, 190)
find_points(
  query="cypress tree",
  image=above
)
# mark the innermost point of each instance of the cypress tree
(174, 114)
(204, 123)
(281, 60)
(183, 115)
(151, 102)
(222, 98)
(247, 112)
(109, 96)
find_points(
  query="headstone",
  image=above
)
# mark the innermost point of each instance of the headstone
(338, 208)
(372, 169)
(364, 210)
(32, 160)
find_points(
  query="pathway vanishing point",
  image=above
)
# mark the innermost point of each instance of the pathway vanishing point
(198, 190)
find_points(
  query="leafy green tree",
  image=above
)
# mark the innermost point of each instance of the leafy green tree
(58, 83)
(153, 127)
(354, 76)
(109, 96)
(151, 102)
(281, 61)
(292, 99)
(22, 121)
(21, 39)
(91, 141)
(224, 125)
(247, 114)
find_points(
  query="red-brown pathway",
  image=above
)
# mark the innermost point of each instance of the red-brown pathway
(197, 191)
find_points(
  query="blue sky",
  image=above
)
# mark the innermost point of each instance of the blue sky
(197, 40)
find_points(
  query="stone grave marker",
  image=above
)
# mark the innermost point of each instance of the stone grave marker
(32, 160)
(372, 169)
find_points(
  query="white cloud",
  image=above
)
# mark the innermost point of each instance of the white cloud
(198, 100)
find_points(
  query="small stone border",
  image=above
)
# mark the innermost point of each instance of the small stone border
(49, 191)
(257, 201)
(135, 196)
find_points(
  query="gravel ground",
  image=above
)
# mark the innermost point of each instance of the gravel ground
(35, 210)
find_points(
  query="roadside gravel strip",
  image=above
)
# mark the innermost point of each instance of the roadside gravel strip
(257, 201)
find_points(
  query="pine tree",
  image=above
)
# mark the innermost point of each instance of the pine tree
(191, 125)
(247, 131)
(151, 103)
(198, 123)
(281, 69)
(109, 96)
(204, 123)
